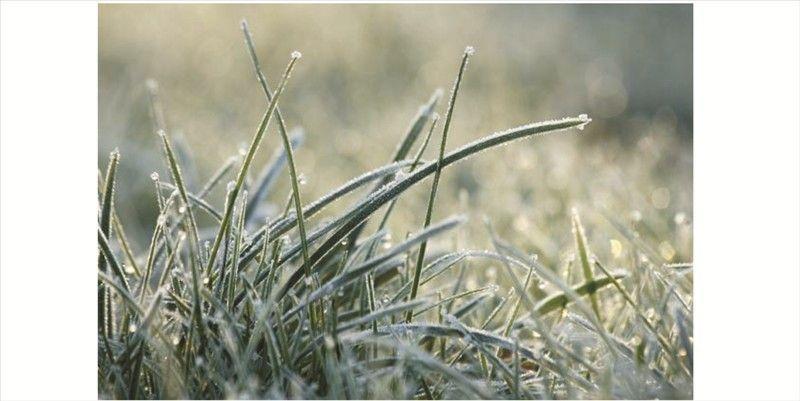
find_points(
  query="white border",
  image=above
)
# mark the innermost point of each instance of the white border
(746, 138)
(747, 322)
(48, 170)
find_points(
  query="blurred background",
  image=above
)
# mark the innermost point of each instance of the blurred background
(365, 71)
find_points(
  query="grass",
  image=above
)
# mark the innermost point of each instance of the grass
(269, 309)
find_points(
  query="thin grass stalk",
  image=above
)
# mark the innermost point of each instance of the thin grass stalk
(366, 207)
(583, 254)
(439, 165)
(104, 321)
(248, 159)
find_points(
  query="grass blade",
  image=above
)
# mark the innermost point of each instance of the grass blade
(439, 165)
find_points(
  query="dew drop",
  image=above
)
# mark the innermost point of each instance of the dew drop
(182, 209)
(296, 54)
(231, 186)
(469, 50)
(162, 219)
(301, 179)
(154, 176)
(132, 328)
(584, 120)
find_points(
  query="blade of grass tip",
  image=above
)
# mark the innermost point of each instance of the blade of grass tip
(122, 239)
(217, 176)
(287, 144)
(364, 208)
(105, 229)
(248, 159)
(177, 177)
(439, 165)
(583, 253)
(298, 203)
(156, 107)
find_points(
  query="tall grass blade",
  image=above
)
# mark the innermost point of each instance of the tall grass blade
(439, 165)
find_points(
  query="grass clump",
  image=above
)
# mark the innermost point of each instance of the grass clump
(269, 309)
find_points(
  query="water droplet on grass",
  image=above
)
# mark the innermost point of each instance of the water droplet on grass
(469, 50)
(296, 54)
(584, 120)
(154, 176)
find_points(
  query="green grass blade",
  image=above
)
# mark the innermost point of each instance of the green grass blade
(248, 159)
(583, 254)
(366, 207)
(439, 165)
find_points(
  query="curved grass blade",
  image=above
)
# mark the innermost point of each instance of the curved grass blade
(366, 207)
(424, 114)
